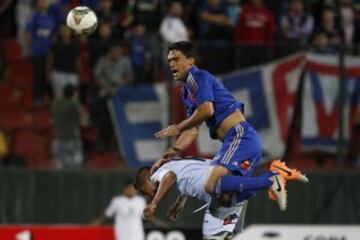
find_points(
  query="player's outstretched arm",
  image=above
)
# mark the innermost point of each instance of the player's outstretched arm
(203, 112)
(164, 187)
(182, 143)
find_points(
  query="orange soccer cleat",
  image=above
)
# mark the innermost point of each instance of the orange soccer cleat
(286, 172)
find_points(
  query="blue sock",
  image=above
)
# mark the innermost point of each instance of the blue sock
(230, 183)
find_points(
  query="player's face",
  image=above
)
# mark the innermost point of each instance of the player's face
(148, 189)
(179, 64)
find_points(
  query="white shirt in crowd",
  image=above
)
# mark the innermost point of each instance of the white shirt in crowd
(173, 29)
(128, 217)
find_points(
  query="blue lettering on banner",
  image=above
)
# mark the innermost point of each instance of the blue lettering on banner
(127, 132)
(251, 81)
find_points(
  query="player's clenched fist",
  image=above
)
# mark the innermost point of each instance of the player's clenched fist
(149, 210)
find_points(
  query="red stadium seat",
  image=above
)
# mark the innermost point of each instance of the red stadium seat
(42, 120)
(12, 51)
(31, 146)
(13, 119)
(10, 97)
(19, 73)
(102, 161)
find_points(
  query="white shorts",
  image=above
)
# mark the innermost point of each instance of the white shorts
(223, 221)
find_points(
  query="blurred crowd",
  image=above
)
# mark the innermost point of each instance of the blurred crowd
(76, 75)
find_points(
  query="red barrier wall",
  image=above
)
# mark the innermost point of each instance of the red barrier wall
(58, 232)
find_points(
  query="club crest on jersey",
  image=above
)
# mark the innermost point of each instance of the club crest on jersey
(230, 219)
(192, 98)
(245, 165)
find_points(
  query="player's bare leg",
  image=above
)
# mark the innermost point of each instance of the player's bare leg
(215, 173)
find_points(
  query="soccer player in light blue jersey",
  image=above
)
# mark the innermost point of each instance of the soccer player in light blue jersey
(207, 100)
(221, 216)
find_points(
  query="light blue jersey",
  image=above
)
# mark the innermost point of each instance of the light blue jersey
(190, 177)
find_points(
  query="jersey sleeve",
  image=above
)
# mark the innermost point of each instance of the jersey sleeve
(110, 211)
(204, 90)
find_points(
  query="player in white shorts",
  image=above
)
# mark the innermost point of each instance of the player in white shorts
(222, 214)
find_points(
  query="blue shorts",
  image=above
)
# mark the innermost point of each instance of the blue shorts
(241, 150)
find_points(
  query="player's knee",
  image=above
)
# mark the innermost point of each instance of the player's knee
(209, 188)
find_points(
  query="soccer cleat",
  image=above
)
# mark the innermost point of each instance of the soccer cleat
(277, 191)
(286, 172)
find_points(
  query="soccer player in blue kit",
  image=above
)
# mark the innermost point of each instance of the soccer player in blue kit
(206, 99)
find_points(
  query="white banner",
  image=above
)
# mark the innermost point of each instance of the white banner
(300, 232)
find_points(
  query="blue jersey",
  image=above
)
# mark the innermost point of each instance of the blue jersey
(201, 86)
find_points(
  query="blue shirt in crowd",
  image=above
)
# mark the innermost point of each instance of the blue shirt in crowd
(41, 27)
(200, 87)
(138, 48)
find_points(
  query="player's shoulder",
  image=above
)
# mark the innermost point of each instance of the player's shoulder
(118, 198)
(199, 75)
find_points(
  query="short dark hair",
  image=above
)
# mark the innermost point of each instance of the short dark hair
(186, 47)
(128, 183)
(141, 175)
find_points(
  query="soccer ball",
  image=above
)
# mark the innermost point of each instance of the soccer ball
(82, 20)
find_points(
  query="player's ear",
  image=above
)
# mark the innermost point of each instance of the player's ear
(191, 60)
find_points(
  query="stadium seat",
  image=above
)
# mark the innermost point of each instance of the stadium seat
(42, 121)
(12, 51)
(31, 146)
(15, 119)
(10, 97)
(19, 74)
(108, 160)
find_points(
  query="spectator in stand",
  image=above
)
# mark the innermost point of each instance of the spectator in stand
(297, 25)
(147, 12)
(321, 43)
(40, 30)
(233, 11)
(347, 19)
(215, 29)
(214, 23)
(64, 62)
(7, 23)
(140, 54)
(3, 145)
(172, 27)
(23, 15)
(111, 72)
(254, 34)
(99, 46)
(8, 158)
(328, 26)
(106, 13)
(68, 117)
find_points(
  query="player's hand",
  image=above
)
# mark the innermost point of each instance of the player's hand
(170, 131)
(157, 164)
(168, 155)
(149, 210)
